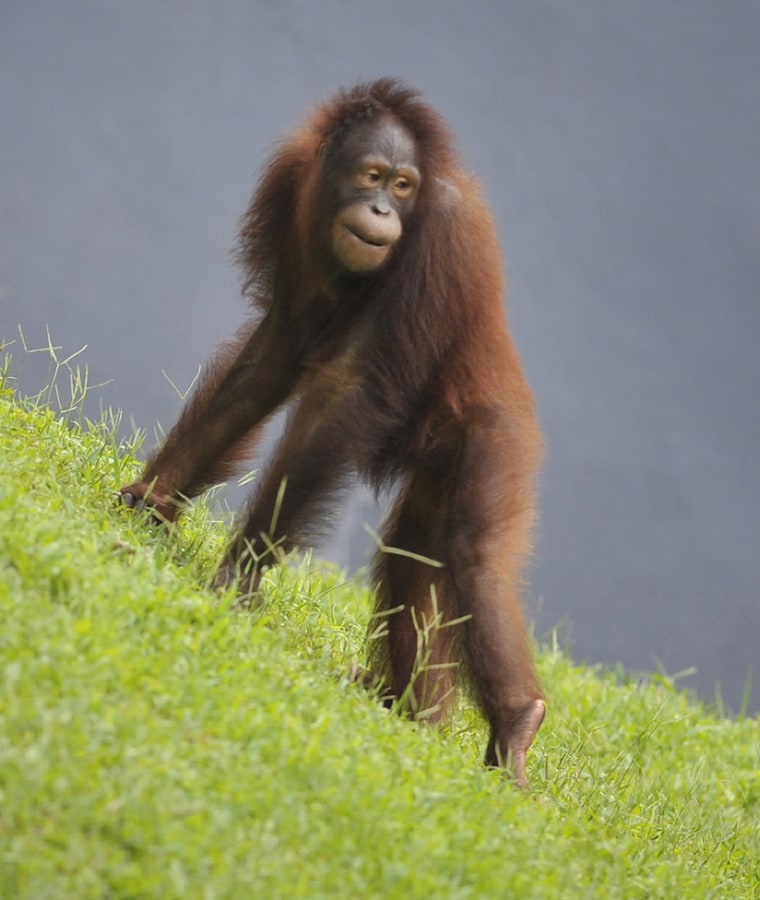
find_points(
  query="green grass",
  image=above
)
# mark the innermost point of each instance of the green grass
(155, 743)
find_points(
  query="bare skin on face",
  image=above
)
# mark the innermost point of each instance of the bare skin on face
(378, 186)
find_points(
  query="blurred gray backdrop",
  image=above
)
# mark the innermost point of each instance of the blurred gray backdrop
(619, 144)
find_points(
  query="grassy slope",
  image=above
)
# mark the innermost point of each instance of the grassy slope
(154, 743)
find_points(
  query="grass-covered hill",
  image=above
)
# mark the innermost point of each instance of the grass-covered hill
(157, 743)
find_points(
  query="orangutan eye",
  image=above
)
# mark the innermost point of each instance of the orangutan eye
(370, 178)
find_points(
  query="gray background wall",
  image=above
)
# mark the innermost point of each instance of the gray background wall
(619, 144)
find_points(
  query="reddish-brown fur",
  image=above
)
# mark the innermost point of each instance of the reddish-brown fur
(406, 375)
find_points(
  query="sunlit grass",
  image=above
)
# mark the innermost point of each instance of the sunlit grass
(156, 742)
